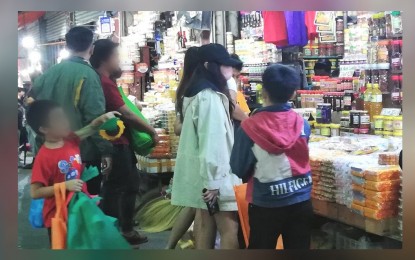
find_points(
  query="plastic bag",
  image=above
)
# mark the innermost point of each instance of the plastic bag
(382, 196)
(383, 185)
(388, 158)
(379, 214)
(36, 213)
(357, 209)
(387, 205)
(385, 173)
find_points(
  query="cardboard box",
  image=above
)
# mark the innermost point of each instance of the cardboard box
(381, 227)
(325, 209)
(347, 216)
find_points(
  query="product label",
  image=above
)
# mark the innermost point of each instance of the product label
(347, 101)
(325, 131)
(376, 98)
(367, 97)
(318, 113)
(364, 119)
(356, 120)
(397, 125)
(395, 96)
(379, 124)
(396, 62)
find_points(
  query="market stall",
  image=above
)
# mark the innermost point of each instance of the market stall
(354, 110)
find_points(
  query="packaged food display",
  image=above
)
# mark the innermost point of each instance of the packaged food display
(379, 214)
(381, 196)
(379, 174)
(382, 185)
(357, 209)
(387, 205)
(390, 158)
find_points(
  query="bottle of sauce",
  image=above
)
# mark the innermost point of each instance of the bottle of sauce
(396, 91)
(348, 100)
(376, 101)
(367, 97)
(396, 56)
(364, 126)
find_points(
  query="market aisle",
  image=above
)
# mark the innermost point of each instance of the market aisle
(30, 238)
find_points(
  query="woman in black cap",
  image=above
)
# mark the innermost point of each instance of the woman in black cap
(202, 172)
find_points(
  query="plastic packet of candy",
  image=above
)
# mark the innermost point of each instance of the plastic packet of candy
(358, 180)
(388, 205)
(383, 185)
(358, 209)
(379, 214)
(383, 173)
(359, 188)
(388, 158)
(382, 196)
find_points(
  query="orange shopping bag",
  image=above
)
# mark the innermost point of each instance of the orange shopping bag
(58, 224)
(240, 195)
(241, 101)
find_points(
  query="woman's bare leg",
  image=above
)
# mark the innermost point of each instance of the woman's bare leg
(180, 227)
(227, 224)
(205, 228)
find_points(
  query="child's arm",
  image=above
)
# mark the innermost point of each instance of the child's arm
(93, 127)
(38, 190)
(242, 158)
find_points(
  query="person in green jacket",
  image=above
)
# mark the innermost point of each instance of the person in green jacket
(76, 86)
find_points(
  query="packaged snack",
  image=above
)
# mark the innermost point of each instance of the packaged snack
(358, 209)
(379, 214)
(358, 172)
(358, 180)
(385, 173)
(388, 205)
(388, 159)
(361, 203)
(382, 196)
(359, 188)
(383, 185)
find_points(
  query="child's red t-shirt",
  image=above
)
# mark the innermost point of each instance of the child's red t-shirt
(54, 166)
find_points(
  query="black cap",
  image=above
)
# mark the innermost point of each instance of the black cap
(214, 52)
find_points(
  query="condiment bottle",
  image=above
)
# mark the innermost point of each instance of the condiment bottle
(367, 97)
(376, 101)
(364, 126)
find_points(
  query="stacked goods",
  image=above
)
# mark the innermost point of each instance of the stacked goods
(149, 165)
(376, 191)
(162, 149)
(388, 158)
(322, 172)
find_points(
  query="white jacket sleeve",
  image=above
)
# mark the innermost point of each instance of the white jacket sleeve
(209, 118)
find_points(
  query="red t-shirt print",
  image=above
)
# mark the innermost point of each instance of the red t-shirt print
(113, 102)
(55, 166)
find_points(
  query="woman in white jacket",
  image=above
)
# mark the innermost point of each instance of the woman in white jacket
(205, 146)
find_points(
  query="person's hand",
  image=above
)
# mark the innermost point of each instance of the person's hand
(104, 118)
(210, 196)
(106, 165)
(74, 185)
(156, 138)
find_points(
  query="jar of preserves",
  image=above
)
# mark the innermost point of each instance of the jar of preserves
(325, 130)
(345, 122)
(383, 51)
(348, 100)
(315, 51)
(388, 124)
(354, 119)
(378, 122)
(364, 126)
(340, 36)
(339, 49)
(323, 113)
(322, 49)
(335, 129)
(397, 123)
(317, 129)
(339, 25)
(330, 50)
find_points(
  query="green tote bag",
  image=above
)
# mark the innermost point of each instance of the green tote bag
(141, 142)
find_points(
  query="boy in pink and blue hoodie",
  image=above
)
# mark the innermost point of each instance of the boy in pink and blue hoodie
(271, 151)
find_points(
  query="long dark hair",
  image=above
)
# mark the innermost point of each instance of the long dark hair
(212, 74)
(191, 60)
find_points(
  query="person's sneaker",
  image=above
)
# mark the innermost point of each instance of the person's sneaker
(134, 238)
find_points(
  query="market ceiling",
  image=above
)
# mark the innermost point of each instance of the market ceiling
(26, 18)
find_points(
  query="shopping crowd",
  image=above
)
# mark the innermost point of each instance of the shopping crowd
(220, 147)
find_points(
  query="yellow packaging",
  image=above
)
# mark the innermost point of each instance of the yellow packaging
(378, 122)
(397, 123)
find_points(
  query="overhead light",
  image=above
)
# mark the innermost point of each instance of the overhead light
(34, 56)
(28, 42)
(64, 54)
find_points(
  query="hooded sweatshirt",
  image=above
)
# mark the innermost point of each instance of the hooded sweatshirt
(271, 152)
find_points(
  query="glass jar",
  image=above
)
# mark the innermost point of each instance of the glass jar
(307, 51)
(335, 129)
(340, 36)
(322, 49)
(315, 51)
(354, 119)
(379, 133)
(397, 123)
(388, 124)
(325, 130)
(348, 100)
(317, 129)
(383, 51)
(396, 55)
(323, 113)
(330, 50)
(339, 49)
(378, 122)
(339, 25)
(345, 122)
(383, 76)
(364, 126)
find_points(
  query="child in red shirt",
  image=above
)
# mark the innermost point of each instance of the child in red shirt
(58, 160)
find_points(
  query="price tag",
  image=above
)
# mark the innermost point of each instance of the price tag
(391, 112)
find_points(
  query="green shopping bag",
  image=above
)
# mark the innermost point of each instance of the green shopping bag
(88, 227)
(141, 142)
